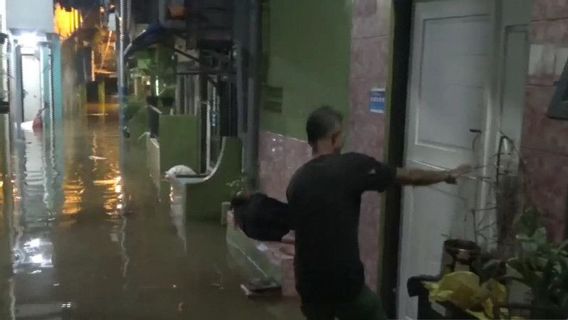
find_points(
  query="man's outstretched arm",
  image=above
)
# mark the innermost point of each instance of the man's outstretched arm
(417, 177)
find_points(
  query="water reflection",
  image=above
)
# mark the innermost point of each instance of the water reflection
(84, 235)
(58, 187)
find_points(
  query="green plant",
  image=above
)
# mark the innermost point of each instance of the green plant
(239, 185)
(540, 264)
(158, 66)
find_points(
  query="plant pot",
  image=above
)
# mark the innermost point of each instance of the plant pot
(544, 311)
(459, 255)
(518, 292)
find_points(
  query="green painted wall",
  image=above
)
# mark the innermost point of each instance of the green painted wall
(179, 142)
(307, 47)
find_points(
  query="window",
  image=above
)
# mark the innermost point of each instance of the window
(558, 108)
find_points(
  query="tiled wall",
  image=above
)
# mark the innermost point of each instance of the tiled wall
(369, 69)
(545, 141)
(280, 156)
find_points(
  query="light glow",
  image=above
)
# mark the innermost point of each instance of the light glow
(38, 259)
(66, 22)
(28, 40)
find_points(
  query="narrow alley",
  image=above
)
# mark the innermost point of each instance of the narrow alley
(91, 239)
(283, 160)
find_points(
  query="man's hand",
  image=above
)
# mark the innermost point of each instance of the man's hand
(417, 177)
(456, 173)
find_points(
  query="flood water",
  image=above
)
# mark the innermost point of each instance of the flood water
(84, 235)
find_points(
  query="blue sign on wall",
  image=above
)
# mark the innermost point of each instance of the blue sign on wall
(377, 100)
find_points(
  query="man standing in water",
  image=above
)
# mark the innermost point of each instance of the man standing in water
(325, 199)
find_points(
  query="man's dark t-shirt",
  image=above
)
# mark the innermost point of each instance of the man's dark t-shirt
(325, 199)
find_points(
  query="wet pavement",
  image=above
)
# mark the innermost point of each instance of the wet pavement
(84, 235)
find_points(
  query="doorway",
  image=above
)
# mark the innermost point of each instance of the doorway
(467, 62)
(32, 84)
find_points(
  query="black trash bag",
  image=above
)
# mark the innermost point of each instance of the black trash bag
(261, 217)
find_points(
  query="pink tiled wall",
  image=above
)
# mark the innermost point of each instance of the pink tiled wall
(545, 141)
(369, 69)
(280, 156)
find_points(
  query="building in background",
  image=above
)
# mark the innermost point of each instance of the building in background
(464, 81)
(430, 84)
(35, 60)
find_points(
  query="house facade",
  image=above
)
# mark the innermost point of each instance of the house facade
(459, 78)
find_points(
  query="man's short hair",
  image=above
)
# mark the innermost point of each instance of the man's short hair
(322, 123)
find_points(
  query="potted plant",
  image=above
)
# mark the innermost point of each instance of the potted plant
(238, 187)
(533, 268)
(542, 266)
(538, 264)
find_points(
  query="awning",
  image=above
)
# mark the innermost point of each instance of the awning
(153, 35)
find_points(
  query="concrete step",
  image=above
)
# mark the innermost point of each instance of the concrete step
(263, 259)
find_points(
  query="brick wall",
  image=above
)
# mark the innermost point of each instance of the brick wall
(545, 141)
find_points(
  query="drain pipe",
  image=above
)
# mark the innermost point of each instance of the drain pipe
(121, 48)
(241, 54)
(253, 114)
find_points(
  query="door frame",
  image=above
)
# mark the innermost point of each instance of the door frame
(401, 36)
(397, 86)
(36, 55)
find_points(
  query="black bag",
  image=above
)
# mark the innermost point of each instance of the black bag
(262, 218)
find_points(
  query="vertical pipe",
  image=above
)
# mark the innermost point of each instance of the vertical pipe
(51, 85)
(57, 81)
(121, 48)
(203, 112)
(253, 116)
(390, 223)
(241, 54)
(42, 87)
(17, 97)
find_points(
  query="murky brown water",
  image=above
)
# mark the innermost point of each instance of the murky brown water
(83, 235)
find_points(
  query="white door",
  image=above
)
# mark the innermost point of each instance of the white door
(448, 94)
(31, 74)
(514, 39)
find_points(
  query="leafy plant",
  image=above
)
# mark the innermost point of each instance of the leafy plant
(157, 64)
(239, 185)
(541, 264)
